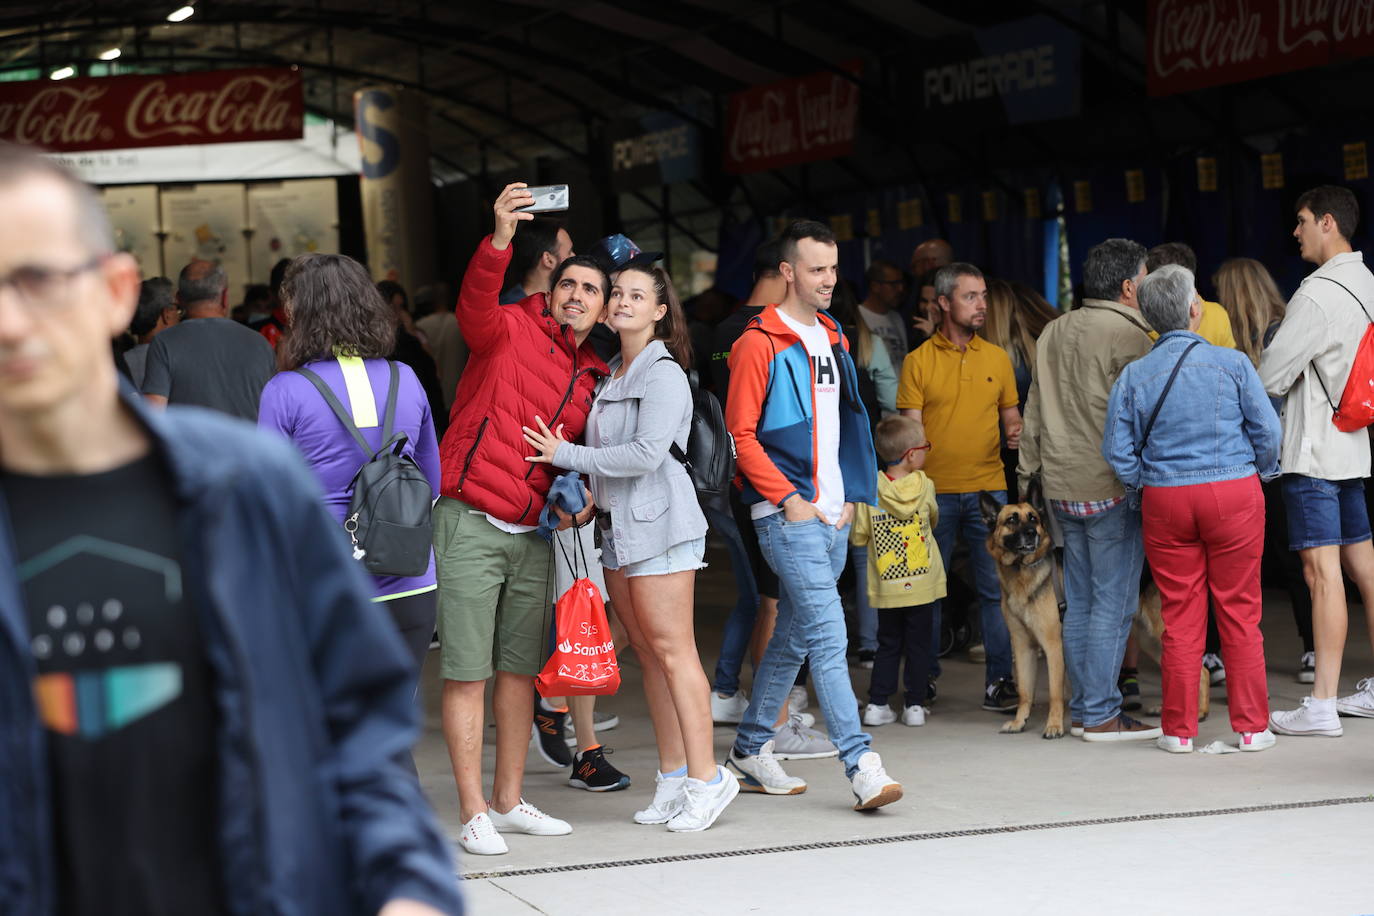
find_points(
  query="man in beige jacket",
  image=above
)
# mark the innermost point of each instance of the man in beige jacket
(1078, 358)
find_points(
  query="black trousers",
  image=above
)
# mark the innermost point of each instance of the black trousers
(414, 618)
(904, 634)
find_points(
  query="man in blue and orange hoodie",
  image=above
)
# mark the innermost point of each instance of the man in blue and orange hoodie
(805, 458)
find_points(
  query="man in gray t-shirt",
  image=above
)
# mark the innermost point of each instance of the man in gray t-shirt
(208, 360)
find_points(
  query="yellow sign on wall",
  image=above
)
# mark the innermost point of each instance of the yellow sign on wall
(1356, 161)
(874, 225)
(1271, 171)
(1033, 209)
(842, 224)
(909, 214)
(1083, 196)
(1135, 186)
(1206, 173)
(990, 209)
(956, 208)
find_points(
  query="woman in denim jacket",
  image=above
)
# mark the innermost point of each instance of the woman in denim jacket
(653, 534)
(1214, 437)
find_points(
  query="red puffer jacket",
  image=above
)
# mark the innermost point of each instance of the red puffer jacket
(523, 364)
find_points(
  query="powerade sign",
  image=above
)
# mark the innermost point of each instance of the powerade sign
(1022, 71)
(652, 150)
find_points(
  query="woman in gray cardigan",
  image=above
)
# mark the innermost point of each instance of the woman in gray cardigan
(653, 535)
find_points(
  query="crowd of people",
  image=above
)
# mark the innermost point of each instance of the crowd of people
(183, 606)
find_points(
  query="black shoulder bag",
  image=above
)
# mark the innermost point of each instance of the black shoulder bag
(1154, 414)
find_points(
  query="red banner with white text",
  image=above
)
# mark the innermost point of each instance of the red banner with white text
(119, 112)
(1199, 43)
(797, 120)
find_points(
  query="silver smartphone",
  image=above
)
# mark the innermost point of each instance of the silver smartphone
(549, 198)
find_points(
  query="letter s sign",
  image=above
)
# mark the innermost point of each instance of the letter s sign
(381, 149)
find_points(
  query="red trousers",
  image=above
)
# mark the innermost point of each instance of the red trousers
(1200, 538)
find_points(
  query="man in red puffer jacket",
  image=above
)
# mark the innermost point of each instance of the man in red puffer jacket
(527, 360)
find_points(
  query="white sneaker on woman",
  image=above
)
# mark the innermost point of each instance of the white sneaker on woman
(526, 818)
(667, 800)
(704, 801)
(1313, 717)
(479, 837)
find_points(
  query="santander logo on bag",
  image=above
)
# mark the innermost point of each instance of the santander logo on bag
(583, 662)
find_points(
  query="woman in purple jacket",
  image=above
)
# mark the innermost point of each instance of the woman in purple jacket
(340, 329)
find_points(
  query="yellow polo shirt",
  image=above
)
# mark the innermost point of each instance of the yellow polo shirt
(960, 394)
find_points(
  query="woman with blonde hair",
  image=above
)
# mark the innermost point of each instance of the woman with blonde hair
(1016, 316)
(1252, 299)
(1253, 302)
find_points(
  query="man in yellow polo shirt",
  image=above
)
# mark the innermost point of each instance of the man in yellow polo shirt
(962, 389)
(1215, 327)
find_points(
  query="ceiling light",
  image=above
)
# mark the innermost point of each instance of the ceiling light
(109, 54)
(180, 15)
(62, 73)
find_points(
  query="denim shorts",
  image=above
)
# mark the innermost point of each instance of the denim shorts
(678, 558)
(1324, 512)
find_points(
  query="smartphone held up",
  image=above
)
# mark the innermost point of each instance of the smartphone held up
(551, 198)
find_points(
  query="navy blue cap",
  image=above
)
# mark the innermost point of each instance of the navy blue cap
(617, 252)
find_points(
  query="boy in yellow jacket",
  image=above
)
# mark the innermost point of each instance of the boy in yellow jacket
(905, 573)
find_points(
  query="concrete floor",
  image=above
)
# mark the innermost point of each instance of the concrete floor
(962, 778)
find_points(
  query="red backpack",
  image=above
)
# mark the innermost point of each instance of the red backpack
(1356, 410)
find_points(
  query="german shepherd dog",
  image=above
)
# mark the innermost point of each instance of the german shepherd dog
(1022, 549)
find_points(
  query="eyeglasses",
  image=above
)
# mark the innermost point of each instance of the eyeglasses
(35, 285)
(919, 448)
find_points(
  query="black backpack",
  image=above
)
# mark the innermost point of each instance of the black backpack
(388, 517)
(710, 455)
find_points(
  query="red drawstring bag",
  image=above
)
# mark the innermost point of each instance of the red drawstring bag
(1356, 410)
(583, 660)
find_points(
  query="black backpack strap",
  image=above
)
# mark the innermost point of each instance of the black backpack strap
(389, 418)
(1313, 363)
(1154, 414)
(340, 412)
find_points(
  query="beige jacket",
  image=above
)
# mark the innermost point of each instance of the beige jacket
(1078, 358)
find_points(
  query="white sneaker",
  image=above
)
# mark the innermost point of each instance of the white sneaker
(1307, 720)
(728, 710)
(797, 700)
(795, 741)
(703, 802)
(914, 716)
(1216, 671)
(479, 837)
(1307, 668)
(667, 800)
(1257, 741)
(1359, 703)
(879, 715)
(763, 773)
(1175, 744)
(872, 786)
(805, 718)
(526, 818)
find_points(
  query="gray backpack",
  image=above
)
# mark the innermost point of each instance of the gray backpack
(388, 517)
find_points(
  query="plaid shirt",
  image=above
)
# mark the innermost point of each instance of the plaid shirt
(1086, 509)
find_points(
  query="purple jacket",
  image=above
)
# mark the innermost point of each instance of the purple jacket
(291, 406)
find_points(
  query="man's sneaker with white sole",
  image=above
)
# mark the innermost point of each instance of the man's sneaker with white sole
(1313, 717)
(795, 741)
(479, 837)
(915, 716)
(872, 786)
(761, 772)
(875, 715)
(702, 802)
(526, 818)
(728, 710)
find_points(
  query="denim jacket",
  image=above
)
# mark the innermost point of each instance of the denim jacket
(1216, 424)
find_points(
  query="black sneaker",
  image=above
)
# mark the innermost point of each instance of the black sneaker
(593, 772)
(548, 735)
(1129, 685)
(866, 657)
(931, 691)
(1001, 696)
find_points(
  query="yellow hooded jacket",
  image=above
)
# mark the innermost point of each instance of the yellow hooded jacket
(904, 564)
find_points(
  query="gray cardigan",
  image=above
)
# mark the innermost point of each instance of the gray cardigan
(634, 421)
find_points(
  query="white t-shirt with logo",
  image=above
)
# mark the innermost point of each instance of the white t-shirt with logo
(891, 329)
(825, 383)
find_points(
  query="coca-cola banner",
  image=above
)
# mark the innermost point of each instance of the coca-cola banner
(797, 120)
(1200, 43)
(123, 112)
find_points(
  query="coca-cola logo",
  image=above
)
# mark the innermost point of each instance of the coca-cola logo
(1190, 36)
(220, 106)
(793, 121)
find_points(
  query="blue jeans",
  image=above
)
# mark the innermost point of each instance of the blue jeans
(1102, 557)
(960, 515)
(808, 558)
(739, 626)
(863, 610)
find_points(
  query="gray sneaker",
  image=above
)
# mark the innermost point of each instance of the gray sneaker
(794, 741)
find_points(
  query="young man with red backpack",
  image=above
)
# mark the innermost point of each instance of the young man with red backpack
(1324, 460)
(530, 359)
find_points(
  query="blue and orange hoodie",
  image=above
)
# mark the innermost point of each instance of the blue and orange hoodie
(771, 412)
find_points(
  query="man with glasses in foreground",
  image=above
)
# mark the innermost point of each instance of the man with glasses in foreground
(880, 310)
(203, 713)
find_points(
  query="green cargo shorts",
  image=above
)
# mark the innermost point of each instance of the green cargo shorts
(494, 594)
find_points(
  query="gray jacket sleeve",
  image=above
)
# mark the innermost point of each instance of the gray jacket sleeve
(667, 399)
